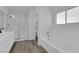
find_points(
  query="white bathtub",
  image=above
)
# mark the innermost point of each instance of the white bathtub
(50, 48)
(6, 41)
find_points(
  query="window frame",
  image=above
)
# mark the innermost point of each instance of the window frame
(66, 11)
(57, 19)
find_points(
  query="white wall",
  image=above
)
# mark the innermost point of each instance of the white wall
(19, 25)
(32, 24)
(63, 38)
(66, 37)
(2, 15)
(45, 22)
(23, 26)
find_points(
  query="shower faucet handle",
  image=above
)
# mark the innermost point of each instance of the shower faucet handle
(48, 33)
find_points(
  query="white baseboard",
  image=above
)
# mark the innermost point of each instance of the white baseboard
(53, 46)
(22, 39)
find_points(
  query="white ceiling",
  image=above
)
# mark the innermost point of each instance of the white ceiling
(24, 10)
(60, 8)
(19, 10)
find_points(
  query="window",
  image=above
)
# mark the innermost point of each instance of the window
(68, 16)
(73, 15)
(61, 18)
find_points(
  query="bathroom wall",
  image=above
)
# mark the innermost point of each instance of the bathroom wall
(19, 25)
(32, 21)
(23, 24)
(62, 38)
(45, 22)
(65, 37)
(2, 17)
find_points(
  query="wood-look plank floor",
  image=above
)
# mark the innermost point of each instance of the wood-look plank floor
(27, 47)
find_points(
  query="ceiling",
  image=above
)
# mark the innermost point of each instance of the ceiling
(24, 10)
(58, 9)
(19, 10)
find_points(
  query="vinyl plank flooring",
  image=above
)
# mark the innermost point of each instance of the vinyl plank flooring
(27, 47)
